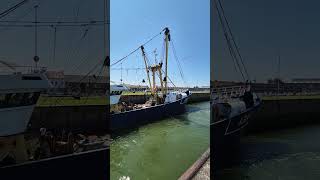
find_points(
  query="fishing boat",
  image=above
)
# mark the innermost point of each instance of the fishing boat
(115, 92)
(231, 107)
(162, 102)
(49, 154)
(19, 93)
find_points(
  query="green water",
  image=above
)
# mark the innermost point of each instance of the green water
(162, 150)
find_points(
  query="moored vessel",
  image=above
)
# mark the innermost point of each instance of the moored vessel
(162, 102)
(19, 94)
(231, 107)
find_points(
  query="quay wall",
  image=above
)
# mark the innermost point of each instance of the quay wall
(88, 118)
(284, 113)
(199, 97)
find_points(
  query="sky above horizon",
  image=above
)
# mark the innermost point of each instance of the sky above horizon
(134, 22)
(77, 51)
(263, 30)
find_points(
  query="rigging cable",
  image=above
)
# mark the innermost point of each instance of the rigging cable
(8, 11)
(178, 62)
(53, 22)
(54, 45)
(122, 59)
(19, 17)
(231, 50)
(233, 39)
(76, 51)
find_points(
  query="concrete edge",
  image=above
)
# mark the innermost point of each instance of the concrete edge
(196, 166)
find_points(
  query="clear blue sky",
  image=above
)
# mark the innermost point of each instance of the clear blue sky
(263, 29)
(134, 22)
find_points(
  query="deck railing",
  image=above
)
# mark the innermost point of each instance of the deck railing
(21, 69)
(224, 93)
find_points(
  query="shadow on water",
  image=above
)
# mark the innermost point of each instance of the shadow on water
(255, 152)
(286, 154)
(251, 153)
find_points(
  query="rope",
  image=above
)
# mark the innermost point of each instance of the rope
(231, 50)
(8, 11)
(232, 38)
(52, 22)
(20, 17)
(178, 62)
(54, 45)
(227, 30)
(135, 50)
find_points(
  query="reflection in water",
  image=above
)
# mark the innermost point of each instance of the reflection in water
(162, 150)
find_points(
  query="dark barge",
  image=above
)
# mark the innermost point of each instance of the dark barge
(92, 164)
(135, 118)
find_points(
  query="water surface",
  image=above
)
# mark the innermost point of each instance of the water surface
(164, 149)
(291, 154)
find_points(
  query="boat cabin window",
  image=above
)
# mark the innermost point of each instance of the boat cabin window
(31, 78)
(18, 99)
(116, 93)
(179, 96)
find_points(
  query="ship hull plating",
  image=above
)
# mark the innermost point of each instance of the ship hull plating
(135, 118)
(225, 139)
(85, 165)
(15, 120)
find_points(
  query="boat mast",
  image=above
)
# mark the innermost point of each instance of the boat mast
(167, 39)
(147, 69)
(160, 76)
(278, 81)
(104, 27)
(159, 69)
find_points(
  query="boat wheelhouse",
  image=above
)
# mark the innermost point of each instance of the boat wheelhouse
(115, 92)
(19, 93)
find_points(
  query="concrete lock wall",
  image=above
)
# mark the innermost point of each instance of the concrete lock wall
(75, 118)
(279, 114)
(273, 114)
(91, 118)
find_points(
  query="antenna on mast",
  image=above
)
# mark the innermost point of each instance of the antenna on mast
(36, 57)
(121, 74)
(278, 74)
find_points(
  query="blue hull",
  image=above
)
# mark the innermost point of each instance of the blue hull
(135, 118)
